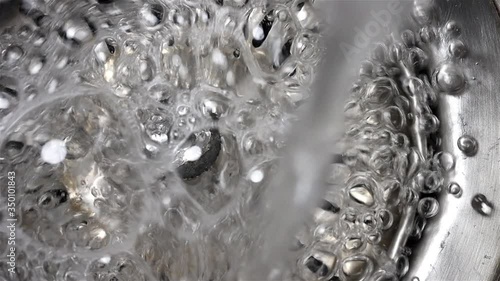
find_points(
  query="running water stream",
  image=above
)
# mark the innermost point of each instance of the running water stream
(316, 138)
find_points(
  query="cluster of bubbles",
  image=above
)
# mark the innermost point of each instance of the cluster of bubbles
(392, 160)
(142, 132)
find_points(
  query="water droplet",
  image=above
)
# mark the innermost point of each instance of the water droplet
(230, 79)
(256, 176)
(215, 106)
(361, 194)
(423, 12)
(353, 243)
(54, 151)
(62, 61)
(122, 91)
(152, 15)
(78, 144)
(320, 263)
(252, 145)
(449, 78)
(452, 28)
(180, 18)
(329, 207)
(157, 123)
(468, 145)
(385, 218)
(396, 52)
(53, 198)
(131, 46)
(356, 267)
(395, 117)
(373, 118)
(428, 207)
(418, 227)
(429, 124)
(402, 265)
(105, 259)
(302, 14)
(258, 33)
(458, 49)
(416, 59)
(414, 86)
(209, 141)
(375, 238)
(427, 34)
(408, 38)
(38, 39)
(379, 92)
(385, 161)
(192, 153)
(366, 69)
(368, 222)
(445, 160)
(282, 15)
(25, 32)
(13, 53)
(105, 49)
(182, 110)
(400, 140)
(433, 182)
(218, 58)
(76, 31)
(146, 69)
(481, 204)
(349, 216)
(305, 46)
(35, 65)
(379, 52)
(455, 189)
(98, 238)
(4, 103)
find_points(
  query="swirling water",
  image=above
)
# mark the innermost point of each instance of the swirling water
(147, 138)
(142, 132)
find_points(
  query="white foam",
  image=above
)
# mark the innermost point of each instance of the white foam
(258, 33)
(192, 154)
(54, 151)
(150, 18)
(180, 20)
(230, 80)
(105, 259)
(219, 58)
(4, 103)
(256, 176)
(166, 200)
(302, 15)
(176, 60)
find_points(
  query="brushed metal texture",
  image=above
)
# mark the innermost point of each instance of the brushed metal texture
(461, 244)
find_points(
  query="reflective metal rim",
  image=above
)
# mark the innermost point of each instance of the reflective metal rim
(460, 244)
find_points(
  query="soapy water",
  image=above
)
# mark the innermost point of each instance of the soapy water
(151, 141)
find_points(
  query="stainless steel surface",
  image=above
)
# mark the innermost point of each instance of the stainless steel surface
(461, 244)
